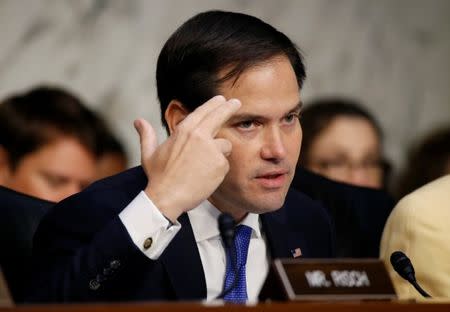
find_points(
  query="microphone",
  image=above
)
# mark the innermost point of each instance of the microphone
(227, 227)
(403, 266)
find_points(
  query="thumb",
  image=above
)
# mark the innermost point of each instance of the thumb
(147, 137)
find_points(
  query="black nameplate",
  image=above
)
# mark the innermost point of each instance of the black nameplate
(334, 279)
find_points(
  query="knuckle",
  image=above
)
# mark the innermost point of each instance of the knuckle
(196, 134)
(223, 163)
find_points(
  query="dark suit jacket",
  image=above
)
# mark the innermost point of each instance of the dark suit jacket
(358, 213)
(83, 252)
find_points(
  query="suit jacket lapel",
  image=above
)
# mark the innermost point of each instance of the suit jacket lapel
(183, 264)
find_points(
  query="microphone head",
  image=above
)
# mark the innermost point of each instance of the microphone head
(403, 266)
(226, 228)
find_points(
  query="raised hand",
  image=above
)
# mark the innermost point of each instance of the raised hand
(189, 166)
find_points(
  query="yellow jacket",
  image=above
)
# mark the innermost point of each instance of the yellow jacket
(420, 227)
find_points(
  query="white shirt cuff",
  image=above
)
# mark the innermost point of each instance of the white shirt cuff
(150, 231)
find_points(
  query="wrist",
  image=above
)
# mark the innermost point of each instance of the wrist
(164, 203)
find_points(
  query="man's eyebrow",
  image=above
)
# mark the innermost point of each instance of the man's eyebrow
(298, 108)
(248, 116)
(245, 116)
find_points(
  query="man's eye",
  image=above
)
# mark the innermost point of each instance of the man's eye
(291, 117)
(247, 124)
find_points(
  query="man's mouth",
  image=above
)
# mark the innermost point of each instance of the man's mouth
(272, 180)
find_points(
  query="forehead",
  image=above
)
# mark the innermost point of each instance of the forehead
(267, 87)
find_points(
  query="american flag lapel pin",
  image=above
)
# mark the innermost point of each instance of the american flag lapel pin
(297, 252)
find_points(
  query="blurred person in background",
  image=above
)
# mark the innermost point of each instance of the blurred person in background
(427, 160)
(47, 144)
(343, 142)
(341, 165)
(112, 157)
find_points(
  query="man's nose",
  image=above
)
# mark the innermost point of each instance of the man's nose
(274, 147)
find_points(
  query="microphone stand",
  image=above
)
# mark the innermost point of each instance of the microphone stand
(419, 289)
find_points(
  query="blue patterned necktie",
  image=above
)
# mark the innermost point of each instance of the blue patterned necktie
(241, 241)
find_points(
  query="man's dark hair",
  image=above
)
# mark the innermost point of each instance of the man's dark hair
(32, 119)
(318, 115)
(210, 42)
(106, 141)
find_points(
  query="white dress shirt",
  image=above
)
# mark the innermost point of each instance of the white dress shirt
(142, 219)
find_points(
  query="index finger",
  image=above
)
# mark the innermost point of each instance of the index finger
(203, 110)
(212, 122)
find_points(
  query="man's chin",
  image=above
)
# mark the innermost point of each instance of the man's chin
(265, 205)
(265, 210)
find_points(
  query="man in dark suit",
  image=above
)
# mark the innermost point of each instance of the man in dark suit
(151, 232)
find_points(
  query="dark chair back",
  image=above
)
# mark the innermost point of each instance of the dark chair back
(19, 217)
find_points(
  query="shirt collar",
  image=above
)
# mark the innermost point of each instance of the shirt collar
(204, 217)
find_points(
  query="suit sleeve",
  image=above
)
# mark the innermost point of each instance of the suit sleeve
(84, 252)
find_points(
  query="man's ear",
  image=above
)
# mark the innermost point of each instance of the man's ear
(174, 114)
